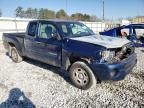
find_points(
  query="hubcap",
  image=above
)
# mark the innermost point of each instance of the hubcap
(80, 76)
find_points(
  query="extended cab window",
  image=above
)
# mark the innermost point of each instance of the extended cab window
(46, 30)
(32, 29)
(64, 28)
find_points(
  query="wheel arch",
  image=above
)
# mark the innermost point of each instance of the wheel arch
(69, 60)
(16, 45)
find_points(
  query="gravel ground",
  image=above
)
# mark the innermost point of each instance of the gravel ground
(35, 84)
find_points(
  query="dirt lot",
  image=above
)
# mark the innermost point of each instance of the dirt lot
(32, 83)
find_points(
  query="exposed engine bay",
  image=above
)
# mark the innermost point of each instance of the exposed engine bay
(118, 54)
(123, 53)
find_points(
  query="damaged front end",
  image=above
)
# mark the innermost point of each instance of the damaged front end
(117, 54)
(115, 63)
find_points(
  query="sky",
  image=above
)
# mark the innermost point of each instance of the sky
(113, 8)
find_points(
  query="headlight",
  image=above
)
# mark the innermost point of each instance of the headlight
(107, 55)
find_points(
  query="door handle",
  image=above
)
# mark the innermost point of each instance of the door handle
(38, 42)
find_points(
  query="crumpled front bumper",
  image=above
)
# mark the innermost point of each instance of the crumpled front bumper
(116, 71)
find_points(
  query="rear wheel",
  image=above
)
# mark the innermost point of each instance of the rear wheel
(82, 76)
(15, 55)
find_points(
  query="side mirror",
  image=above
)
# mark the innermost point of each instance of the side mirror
(54, 35)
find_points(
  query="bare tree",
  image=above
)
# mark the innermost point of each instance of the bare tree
(19, 12)
(93, 18)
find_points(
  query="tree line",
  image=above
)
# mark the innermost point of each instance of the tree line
(44, 13)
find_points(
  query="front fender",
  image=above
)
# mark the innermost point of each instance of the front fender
(76, 50)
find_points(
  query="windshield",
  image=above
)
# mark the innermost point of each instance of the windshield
(74, 29)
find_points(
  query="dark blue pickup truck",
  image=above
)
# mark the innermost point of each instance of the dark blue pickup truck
(75, 48)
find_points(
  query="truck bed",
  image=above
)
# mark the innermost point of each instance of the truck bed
(17, 39)
(22, 34)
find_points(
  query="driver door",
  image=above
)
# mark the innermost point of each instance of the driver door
(48, 44)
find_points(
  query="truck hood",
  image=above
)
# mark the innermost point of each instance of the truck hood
(105, 41)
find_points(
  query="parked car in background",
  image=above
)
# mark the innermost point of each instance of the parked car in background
(133, 32)
(75, 48)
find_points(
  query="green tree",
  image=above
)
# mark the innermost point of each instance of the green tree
(77, 16)
(46, 14)
(86, 17)
(61, 14)
(49, 14)
(80, 16)
(19, 12)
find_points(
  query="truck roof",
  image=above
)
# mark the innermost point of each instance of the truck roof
(54, 20)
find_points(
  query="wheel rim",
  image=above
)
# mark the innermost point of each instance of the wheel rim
(14, 55)
(80, 77)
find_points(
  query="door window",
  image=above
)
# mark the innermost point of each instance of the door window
(46, 31)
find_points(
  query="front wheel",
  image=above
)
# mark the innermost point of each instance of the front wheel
(15, 55)
(82, 76)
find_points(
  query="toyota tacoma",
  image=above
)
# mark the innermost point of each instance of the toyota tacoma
(75, 48)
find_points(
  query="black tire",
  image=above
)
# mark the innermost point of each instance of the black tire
(9, 50)
(82, 76)
(15, 55)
